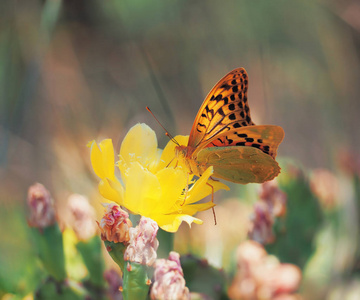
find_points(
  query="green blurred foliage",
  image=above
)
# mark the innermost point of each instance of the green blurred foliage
(73, 71)
(203, 278)
(295, 232)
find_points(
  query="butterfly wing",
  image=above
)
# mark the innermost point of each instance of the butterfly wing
(240, 164)
(267, 138)
(224, 108)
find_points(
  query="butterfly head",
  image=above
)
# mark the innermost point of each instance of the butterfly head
(181, 151)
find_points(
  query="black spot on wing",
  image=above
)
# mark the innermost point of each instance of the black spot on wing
(229, 140)
(225, 86)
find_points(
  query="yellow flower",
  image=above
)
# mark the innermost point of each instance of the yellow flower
(151, 184)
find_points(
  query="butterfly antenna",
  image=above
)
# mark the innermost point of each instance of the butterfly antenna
(166, 132)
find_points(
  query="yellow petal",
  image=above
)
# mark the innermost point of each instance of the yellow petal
(172, 222)
(143, 190)
(117, 186)
(168, 154)
(123, 167)
(108, 192)
(194, 208)
(201, 189)
(102, 159)
(172, 182)
(139, 144)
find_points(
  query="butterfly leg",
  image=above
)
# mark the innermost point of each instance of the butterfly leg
(212, 200)
(214, 179)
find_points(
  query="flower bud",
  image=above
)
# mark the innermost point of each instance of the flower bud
(46, 233)
(82, 217)
(41, 205)
(274, 197)
(262, 276)
(114, 282)
(325, 186)
(272, 204)
(169, 282)
(143, 243)
(115, 224)
(261, 225)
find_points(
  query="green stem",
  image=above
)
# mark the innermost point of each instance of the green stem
(166, 243)
(116, 251)
(90, 251)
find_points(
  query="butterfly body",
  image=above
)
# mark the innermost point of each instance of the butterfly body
(224, 136)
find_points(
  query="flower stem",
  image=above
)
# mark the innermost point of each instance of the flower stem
(166, 243)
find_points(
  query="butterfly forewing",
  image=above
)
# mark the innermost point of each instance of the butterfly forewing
(224, 108)
(267, 138)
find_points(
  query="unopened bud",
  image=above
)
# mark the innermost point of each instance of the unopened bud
(115, 224)
(262, 276)
(169, 282)
(325, 186)
(261, 225)
(82, 217)
(41, 205)
(114, 281)
(274, 197)
(143, 243)
(272, 204)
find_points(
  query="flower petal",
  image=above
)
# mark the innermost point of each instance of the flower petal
(201, 189)
(143, 190)
(194, 208)
(172, 222)
(102, 159)
(139, 144)
(172, 182)
(111, 191)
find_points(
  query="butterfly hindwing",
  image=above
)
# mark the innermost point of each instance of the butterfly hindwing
(267, 138)
(240, 164)
(224, 107)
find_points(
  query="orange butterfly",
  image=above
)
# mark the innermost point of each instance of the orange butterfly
(224, 136)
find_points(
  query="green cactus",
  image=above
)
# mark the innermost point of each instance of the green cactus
(49, 244)
(296, 231)
(90, 251)
(202, 278)
(135, 281)
(54, 290)
(116, 251)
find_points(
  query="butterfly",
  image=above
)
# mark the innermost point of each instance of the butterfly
(224, 136)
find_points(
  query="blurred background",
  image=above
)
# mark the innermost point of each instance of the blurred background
(74, 71)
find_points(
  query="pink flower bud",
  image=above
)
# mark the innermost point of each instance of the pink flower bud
(82, 218)
(169, 282)
(114, 281)
(115, 224)
(143, 243)
(274, 197)
(272, 204)
(262, 276)
(325, 186)
(261, 224)
(41, 205)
